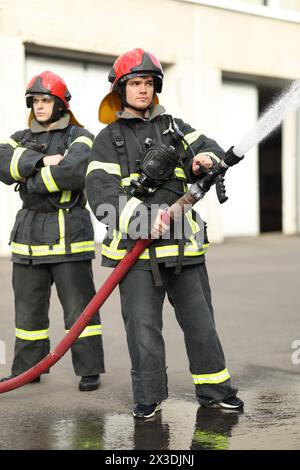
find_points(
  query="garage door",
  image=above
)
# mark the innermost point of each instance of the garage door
(240, 214)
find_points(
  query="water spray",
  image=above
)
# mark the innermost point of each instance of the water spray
(267, 123)
(272, 117)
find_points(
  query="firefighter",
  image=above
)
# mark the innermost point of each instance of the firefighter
(52, 240)
(140, 138)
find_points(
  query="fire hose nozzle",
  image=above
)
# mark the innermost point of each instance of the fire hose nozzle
(230, 158)
(215, 176)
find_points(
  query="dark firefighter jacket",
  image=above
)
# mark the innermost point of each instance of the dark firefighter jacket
(53, 224)
(105, 185)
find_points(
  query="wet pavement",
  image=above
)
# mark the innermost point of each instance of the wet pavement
(255, 283)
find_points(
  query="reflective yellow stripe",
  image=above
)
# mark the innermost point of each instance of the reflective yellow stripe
(190, 249)
(111, 168)
(112, 253)
(92, 330)
(210, 440)
(48, 179)
(65, 196)
(116, 239)
(127, 181)
(193, 224)
(10, 142)
(82, 140)
(172, 250)
(32, 335)
(179, 173)
(14, 170)
(46, 250)
(81, 247)
(61, 224)
(211, 378)
(127, 212)
(190, 138)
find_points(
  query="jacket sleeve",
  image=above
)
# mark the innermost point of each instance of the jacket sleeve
(195, 142)
(106, 196)
(17, 162)
(69, 174)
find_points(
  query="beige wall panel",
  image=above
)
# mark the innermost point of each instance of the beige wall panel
(174, 30)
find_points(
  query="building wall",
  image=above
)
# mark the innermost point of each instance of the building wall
(196, 43)
(175, 30)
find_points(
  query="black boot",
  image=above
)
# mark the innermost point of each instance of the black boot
(89, 383)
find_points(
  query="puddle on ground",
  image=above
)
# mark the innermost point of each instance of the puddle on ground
(271, 420)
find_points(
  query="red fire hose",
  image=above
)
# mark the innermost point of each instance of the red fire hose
(97, 301)
(182, 205)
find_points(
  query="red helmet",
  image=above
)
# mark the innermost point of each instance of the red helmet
(47, 83)
(135, 63)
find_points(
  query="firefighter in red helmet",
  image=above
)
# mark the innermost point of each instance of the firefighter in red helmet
(141, 163)
(52, 240)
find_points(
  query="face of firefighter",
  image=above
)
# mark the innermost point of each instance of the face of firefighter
(139, 93)
(43, 107)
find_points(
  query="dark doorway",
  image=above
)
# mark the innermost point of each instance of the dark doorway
(270, 181)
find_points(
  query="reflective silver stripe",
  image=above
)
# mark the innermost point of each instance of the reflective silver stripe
(111, 168)
(48, 179)
(211, 378)
(14, 164)
(82, 140)
(65, 196)
(91, 330)
(127, 212)
(32, 335)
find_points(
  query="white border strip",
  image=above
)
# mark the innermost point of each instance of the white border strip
(258, 10)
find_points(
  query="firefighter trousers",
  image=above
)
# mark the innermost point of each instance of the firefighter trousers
(32, 290)
(142, 304)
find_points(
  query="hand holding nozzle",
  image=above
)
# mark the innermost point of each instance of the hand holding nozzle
(215, 175)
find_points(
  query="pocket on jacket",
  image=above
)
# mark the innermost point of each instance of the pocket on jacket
(81, 225)
(50, 229)
(19, 218)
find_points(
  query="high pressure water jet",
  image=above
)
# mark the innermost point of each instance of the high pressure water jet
(271, 118)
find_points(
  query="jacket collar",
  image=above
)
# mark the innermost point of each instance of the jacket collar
(157, 110)
(62, 123)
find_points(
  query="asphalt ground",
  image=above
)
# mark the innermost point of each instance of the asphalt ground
(256, 294)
